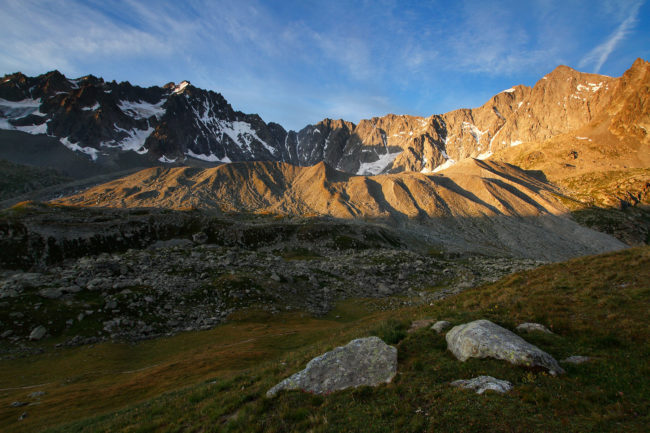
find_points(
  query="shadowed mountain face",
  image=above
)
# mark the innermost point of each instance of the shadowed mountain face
(476, 206)
(181, 123)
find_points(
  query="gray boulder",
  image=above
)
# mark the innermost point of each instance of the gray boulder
(533, 327)
(364, 361)
(440, 326)
(38, 333)
(484, 339)
(481, 384)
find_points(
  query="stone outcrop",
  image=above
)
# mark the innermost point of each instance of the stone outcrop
(484, 339)
(440, 326)
(362, 362)
(533, 327)
(481, 384)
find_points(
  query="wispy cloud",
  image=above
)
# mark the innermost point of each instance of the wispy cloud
(294, 62)
(599, 55)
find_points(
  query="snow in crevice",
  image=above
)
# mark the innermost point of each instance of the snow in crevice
(75, 147)
(166, 160)
(379, 166)
(495, 136)
(448, 163)
(515, 143)
(510, 90)
(93, 108)
(210, 157)
(484, 155)
(142, 110)
(474, 131)
(583, 138)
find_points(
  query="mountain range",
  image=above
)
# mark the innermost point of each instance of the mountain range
(179, 124)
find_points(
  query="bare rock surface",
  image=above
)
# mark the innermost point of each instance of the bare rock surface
(364, 361)
(533, 327)
(484, 339)
(440, 326)
(481, 384)
(38, 333)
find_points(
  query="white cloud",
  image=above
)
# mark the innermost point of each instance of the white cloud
(599, 55)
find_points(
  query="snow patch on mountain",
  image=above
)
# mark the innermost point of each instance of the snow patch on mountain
(180, 87)
(142, 110)
(448, 163)
(379, 166)
(33, 129)
(210, 158)
(90, 151)
(93, 108)
(243, 134)
(166, 160)
(474, 131)
(485, 155)
(19, 109)
(134, 139)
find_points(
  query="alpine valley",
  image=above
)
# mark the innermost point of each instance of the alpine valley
(170, 264)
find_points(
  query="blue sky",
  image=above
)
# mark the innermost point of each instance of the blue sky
(296, 62)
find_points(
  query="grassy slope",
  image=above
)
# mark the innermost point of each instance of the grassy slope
(597, 306)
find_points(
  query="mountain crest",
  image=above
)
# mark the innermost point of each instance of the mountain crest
(182, 124)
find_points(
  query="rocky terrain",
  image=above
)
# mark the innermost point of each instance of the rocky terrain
(190, 272)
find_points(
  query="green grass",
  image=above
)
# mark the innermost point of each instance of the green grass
(216, 380)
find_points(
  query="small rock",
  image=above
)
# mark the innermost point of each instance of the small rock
(577, 359)
(481, 384)
(71, 289)
(484, 339)
(7, 333)
(276, 277)
(18, 404)
(533, 327)
(364, 361)
(418, 324)
(440, 326)
(200, 238)
(37, 394)
(38, 333)
(50, 293)
(22, 416)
